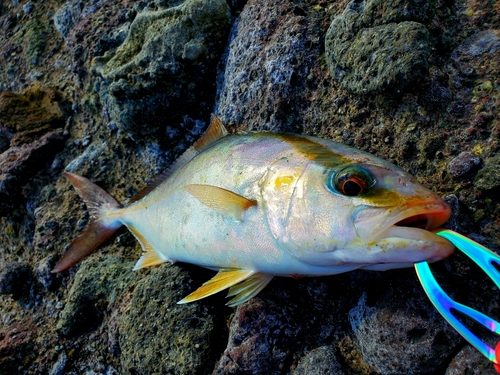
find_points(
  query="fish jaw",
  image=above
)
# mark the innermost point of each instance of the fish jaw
(401, 236)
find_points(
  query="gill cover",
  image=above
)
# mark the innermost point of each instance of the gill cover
(305, 216)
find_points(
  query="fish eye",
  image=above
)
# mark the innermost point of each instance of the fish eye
(351, 181)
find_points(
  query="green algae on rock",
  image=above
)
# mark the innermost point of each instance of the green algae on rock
(487, 177)
(366, 56)
(157, 336)
(98, 282)
(161, 68)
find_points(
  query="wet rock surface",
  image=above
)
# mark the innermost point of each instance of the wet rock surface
(116, 90)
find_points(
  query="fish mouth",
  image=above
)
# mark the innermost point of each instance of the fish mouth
(404, 234)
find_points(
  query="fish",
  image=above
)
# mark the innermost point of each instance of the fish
(257, 205)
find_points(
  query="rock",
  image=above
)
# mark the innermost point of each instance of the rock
(463, 164)
(97, 283)
(272, 74)
(268, 62)
(319, 361)
(19, 163)
(401, 336)
(369, 55)
(469, 361)
(28, 7)
(157, 336)
(43, 272)
(32, 37)
(487, 177)
(483, 42)
(32, 114)
(15, 279)
(71, 12)
(259, 338)
(58, 368)
(16, 343)
(161, 68)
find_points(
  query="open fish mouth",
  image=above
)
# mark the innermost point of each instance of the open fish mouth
(404, 234)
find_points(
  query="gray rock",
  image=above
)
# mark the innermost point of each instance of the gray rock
(487, 41)
(43, 272)
(366, 56)
(267, 67)
(58, 368)
(319, 361)
(159, 71)
(28, 7)
(14, 279)
(469, 361)
(401, 336)
(71, 12)
(462, 164)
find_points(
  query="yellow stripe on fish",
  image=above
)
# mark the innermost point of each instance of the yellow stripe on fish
(258, 205)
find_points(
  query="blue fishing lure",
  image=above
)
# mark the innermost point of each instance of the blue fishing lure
(486, 259)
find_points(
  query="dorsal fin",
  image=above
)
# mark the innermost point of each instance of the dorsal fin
(216, 130)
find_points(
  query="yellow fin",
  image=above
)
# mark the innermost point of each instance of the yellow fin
(224, 279)
(150, 256)
(221, 200)
(248, 288)
(216, 130)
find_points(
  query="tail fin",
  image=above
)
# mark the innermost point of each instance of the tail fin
(100, 204)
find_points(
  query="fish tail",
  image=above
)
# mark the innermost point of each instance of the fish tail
(104, 221)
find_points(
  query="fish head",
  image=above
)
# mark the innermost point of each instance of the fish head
(356, 212)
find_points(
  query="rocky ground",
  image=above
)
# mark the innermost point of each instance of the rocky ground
(115, 90)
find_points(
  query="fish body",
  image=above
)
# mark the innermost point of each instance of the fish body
(259, 205)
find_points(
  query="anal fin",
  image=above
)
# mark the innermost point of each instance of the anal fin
(150, 256)
(249, 288)
(224, 279)
(221, 200)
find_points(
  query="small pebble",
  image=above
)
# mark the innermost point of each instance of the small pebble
(27, 8)
(462, 164)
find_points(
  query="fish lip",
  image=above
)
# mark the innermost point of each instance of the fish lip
(373, 229)
(396, 246)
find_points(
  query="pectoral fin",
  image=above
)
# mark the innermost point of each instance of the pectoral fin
(224, 279)
(221, 200)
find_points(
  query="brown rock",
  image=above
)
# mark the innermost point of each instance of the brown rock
(31, 114)
(19, 163)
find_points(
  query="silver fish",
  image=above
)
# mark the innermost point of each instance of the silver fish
(258, 205)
